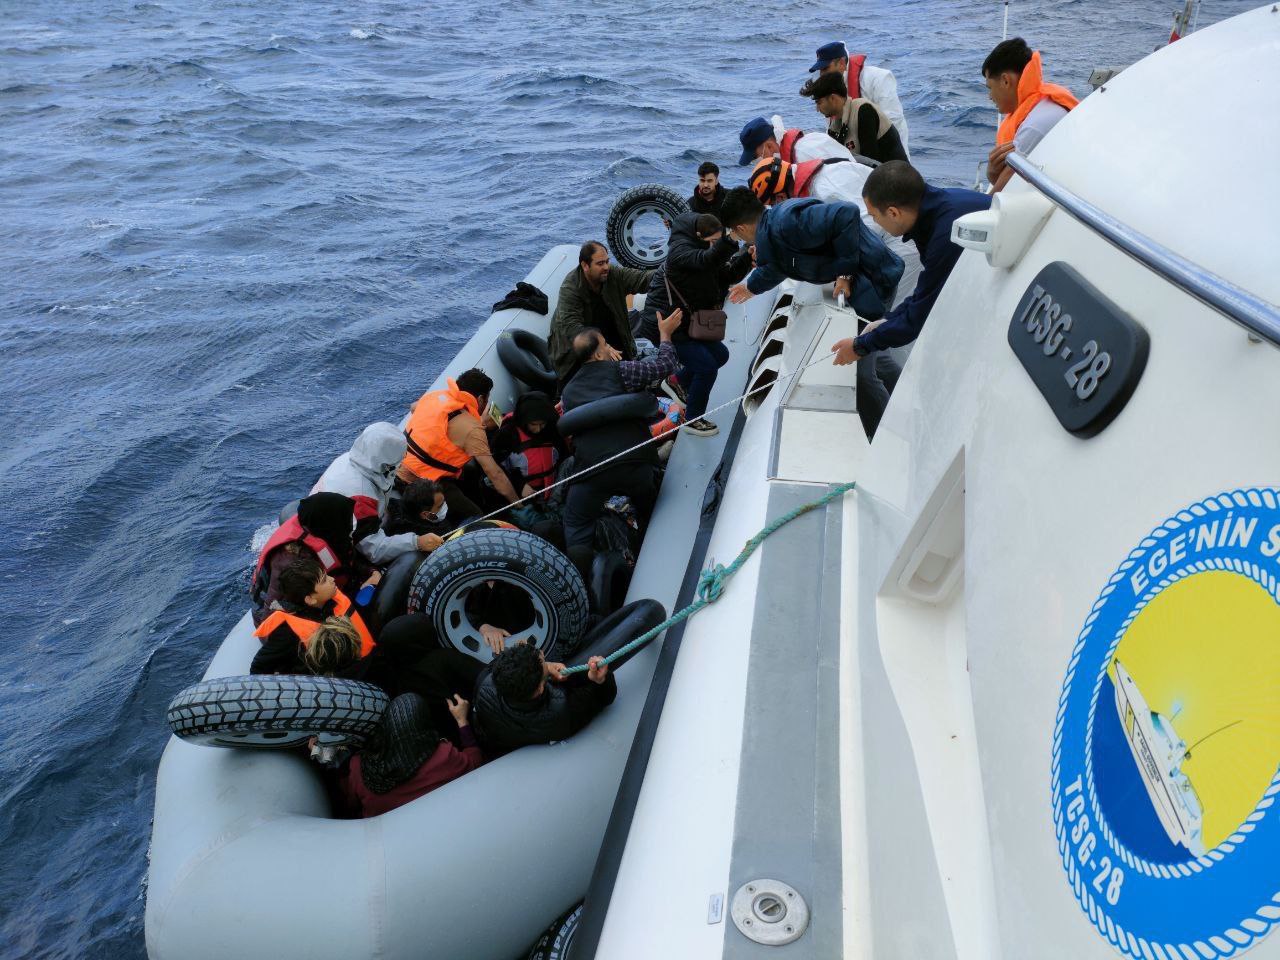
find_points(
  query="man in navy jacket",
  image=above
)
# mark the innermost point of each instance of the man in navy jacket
(818, 242)
(901, 202)
(813, 241)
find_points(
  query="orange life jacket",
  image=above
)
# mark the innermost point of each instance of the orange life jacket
(803, 174)
(304, 628)
(787, 148)
(853, 77)
(288, 532)
(1031, 90)
(431, 454)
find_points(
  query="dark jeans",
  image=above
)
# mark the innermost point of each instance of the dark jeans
(700, 361)
(586, 499)
(877, 375)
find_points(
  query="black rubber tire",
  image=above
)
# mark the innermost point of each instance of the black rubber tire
(393, 592)
(595, 413)
(475, 525)
(526, 357)
(514, 556)
(276, 712)
(555, 943)
(610, 578)
(648, 197)
(617, 630)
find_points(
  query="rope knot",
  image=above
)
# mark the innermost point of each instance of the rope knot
(711, 583)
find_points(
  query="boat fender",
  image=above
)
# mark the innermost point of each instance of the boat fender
(441, 584)
(596, 413)
(267, 711)
(525, 356)
(610, 578)
(617, 630)
(289, 511)
(392, 597)
(555, 943)
(620, 229)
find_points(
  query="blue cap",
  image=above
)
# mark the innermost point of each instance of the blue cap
(756, 132)
(829, 51)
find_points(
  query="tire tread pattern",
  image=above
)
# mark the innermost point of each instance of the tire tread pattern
(214, 711)
(646, 193)
(549, 569)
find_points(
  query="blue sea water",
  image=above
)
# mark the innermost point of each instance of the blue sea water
(233, 233)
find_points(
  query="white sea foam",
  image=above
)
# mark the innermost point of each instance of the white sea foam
(361, 34)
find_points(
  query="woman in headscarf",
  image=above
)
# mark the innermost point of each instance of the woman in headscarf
(407, 757)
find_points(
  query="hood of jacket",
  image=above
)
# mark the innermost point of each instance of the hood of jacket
(377, 452)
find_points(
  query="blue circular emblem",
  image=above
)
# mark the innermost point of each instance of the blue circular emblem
(1166, 750)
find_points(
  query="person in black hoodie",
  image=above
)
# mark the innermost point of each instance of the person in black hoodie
(708, 195)
(523, 699)
(702, 262)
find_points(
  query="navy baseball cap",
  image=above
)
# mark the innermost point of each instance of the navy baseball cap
(756, 132)
(829, 51)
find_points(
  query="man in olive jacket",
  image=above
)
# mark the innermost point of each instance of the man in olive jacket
(594, 295)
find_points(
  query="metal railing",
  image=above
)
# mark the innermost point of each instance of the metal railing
(1258, 316)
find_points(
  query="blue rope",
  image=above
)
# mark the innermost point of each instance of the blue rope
(711, 582)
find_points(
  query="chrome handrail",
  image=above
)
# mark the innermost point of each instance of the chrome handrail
(1260, 317)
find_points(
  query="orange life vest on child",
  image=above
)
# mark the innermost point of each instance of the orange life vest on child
(1031, 90)
(304, 628)
(431, 454)
(288, 532)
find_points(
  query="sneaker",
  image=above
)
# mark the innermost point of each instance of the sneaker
(702, 427)
(671, 387)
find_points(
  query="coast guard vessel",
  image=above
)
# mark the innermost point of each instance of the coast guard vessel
(895, 734)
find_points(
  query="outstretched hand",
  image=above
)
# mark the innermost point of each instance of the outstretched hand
(670, 323)
(846, 353)
(739, 293)
(494, 637)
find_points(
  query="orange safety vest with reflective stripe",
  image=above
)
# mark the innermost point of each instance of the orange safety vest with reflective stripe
(853, 77)
(431, 454)
(304, 628)
(1031, 90)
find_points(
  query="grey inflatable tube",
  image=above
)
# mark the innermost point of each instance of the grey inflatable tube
(626, 406)
(234, 831)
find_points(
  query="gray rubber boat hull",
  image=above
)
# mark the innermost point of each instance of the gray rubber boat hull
(247, 862)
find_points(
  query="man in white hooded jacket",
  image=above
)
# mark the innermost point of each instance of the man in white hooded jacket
(366, 473)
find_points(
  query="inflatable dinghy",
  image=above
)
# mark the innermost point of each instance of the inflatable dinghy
(247, 860)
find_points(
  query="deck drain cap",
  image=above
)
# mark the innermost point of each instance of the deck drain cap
(769, 912)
